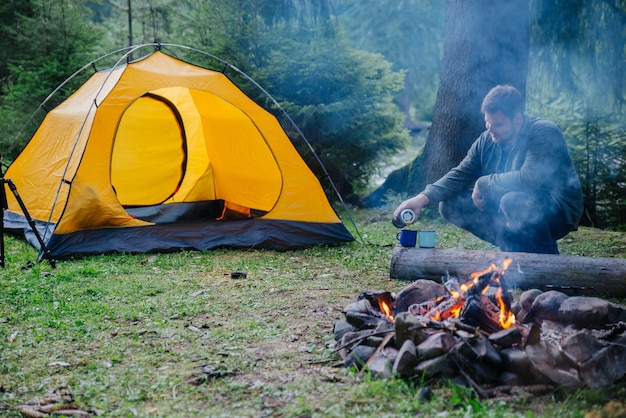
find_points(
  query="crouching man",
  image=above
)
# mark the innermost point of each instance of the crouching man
(517, 187)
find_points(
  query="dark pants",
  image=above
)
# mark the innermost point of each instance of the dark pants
(522, 222)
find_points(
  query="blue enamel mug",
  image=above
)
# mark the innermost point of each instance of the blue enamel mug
(407, 237)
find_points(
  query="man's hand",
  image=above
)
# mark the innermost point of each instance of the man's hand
(478, 198)
(415, 204)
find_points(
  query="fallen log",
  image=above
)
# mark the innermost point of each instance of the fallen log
(571, 274)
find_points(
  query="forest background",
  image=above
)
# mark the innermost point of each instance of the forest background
(359, 78)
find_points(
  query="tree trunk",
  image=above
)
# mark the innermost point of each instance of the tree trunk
(568, 273)
(486, 44)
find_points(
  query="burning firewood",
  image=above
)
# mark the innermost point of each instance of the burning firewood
(466, 328)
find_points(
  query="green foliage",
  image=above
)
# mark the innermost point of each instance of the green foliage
(410, 35)
(54, 40)
(9, 31)
(144, 22)
(599, 144)
(342, 100)
(577, 61)
(577, 50)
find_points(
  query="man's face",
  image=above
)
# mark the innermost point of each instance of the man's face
(502, 129)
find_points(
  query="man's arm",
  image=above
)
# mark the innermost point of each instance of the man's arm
(415, 203)
(461, 177)
(454, 181)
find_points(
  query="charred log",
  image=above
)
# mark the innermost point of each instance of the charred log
(479, 314)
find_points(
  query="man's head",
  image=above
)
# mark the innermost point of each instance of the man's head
(503, 98)
(503, 107)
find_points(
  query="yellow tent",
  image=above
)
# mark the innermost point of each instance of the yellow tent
(161, 155)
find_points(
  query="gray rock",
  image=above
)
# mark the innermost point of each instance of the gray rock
(525, 302)
(542, 356)
(341, 327)
(545, 307)
(585, 312)
(419, 291)
(507, 337)
(527, 298)
(409, 327)
(360, 306)
(619, 339)
(435, 345)
(380, 364)
(362, 320)
(406, 360)
(348, 340)
(606, 367)
(516, 361)
(358, 356)
(516, 308)
(373, 341)
(616, 314)
(434, 366)
(580, 347)
(510, 379)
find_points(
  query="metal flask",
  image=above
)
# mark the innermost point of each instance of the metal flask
(406, 217)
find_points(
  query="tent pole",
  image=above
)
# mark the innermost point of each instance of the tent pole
(130, 29)
(44, 249)
(4, 205)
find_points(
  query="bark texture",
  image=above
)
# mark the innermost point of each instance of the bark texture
(486, 44)
(568, 273)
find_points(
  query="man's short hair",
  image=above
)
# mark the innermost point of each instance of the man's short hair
(503, 98)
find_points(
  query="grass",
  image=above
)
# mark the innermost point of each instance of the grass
(173, 335)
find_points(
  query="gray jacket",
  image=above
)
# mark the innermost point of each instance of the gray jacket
(538, 161)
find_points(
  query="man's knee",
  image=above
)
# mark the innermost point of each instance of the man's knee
(521, 209)
(456, 208)
(460, 211)
(445, 210)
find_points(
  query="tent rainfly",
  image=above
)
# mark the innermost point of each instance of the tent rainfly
(158, 155)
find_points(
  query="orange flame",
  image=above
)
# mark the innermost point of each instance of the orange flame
(386, 309)
(492, 268)
(506, 318)
(450, 312)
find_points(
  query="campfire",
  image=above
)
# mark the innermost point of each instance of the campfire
(472, 331)
(471, 301)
